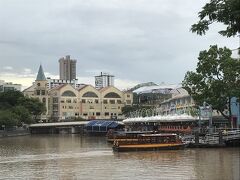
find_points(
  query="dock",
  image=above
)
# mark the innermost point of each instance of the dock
(216, 140)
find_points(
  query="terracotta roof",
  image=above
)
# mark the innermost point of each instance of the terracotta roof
(84, 86)
(104, 89)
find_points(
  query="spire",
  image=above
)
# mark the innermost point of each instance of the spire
(40, 75)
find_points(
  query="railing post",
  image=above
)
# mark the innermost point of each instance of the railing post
(220, 135)
(197, 138)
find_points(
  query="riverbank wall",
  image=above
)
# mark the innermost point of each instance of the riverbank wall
(14, 133)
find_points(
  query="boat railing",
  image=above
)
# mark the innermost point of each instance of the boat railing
(147, 140)
(183, 129)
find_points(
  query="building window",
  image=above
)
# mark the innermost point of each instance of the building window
(119, 101)
(112, 101)
(90, 94)
(68, 93)
(128, 96)
(105, 101)
(98, 113)
(112, 95)
(43, 92)
(62, 101)
(96, 101)
(83, 100)
(38, 84)
(38, 92)
(70, 107)
(44, 100)
(106, 113)
(55, 100)
(85, 114)
(68, 101)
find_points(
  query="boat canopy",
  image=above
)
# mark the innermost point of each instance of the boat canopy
(101, 125)
(162, 118)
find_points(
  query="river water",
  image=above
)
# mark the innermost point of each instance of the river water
(82, 157)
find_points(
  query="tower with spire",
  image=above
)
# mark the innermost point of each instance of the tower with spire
(41, 90)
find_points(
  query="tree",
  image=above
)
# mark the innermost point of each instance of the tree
(216, 80)
(226, 12)
(8, 119)
(16, 109)
(33, 105)
(10, 98)
(23, 115)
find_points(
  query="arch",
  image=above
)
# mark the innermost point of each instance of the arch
(90, 94)
(69, 93)
(112, 95)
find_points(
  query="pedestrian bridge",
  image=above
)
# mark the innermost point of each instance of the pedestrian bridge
(59, 124)
(58, 127)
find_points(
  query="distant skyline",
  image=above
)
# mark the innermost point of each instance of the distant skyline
(137, 41)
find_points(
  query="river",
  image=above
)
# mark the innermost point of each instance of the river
(84, 157)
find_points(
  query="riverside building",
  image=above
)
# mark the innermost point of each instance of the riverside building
(65, 101)
(182, 103)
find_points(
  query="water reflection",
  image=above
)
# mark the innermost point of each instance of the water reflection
(79, 157)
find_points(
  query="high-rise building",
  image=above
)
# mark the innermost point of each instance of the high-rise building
(104, 80)
(67, 68)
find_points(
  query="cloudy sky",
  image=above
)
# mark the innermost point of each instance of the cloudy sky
(135, 40)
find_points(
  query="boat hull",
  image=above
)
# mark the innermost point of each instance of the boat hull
(147, 147)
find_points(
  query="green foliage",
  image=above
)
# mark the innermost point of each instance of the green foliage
(22, 114)
(127, 109)
(216, 80)
(16, 109)
(8, 118)
(34, 106)
(226, 12)
(10, 98)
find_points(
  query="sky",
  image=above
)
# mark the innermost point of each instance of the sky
(135, 40)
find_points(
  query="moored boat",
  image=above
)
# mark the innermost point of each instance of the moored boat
(122, 135)
(149, 142)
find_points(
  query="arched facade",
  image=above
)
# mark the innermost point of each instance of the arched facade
(66, 102)
(68, 94)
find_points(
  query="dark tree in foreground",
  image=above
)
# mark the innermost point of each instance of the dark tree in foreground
(216, 80)
(226, 12)
(16, 109)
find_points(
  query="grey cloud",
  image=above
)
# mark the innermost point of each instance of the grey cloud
(137, 40)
